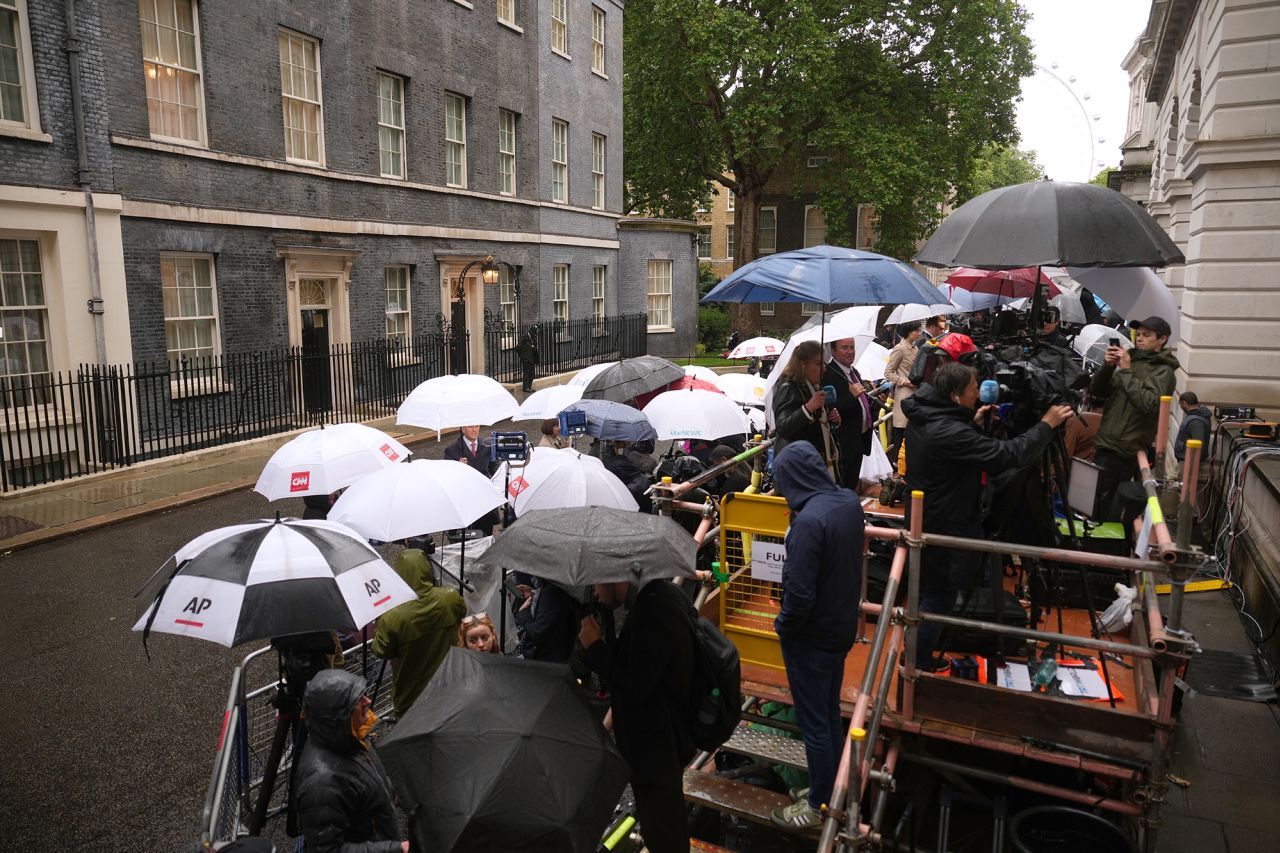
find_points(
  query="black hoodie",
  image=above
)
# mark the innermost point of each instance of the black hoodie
(947, 455)
(341, 790)
(822, 575)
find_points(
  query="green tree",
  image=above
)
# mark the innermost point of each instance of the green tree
(901, 94)
(1002, 167)
(1101, 178)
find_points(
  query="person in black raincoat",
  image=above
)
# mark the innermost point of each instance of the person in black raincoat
(342, 793)
(818, 619)
(800, 410)
(527, 352)
(949, 458)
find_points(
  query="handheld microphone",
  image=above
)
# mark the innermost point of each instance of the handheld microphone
(830, 391)
(989, 391)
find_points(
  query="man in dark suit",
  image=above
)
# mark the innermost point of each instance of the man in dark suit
(468, 448)
(857, 411)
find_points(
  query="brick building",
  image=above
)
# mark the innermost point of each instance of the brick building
(319, 172)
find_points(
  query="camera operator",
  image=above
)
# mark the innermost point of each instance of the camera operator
(948, 458)
(1049, 332)
(1129, 386)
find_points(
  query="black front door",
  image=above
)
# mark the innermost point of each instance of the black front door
(457, 337)
(317, 394)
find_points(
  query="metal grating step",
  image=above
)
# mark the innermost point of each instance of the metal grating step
(732, 797)
(775, 748)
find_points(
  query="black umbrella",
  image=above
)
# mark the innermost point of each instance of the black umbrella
(1047, 223)
(580, 546)
(500, 754)
(632, 377)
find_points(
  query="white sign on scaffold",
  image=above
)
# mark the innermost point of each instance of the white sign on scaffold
(767, 559)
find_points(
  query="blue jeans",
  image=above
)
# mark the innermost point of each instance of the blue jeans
(814, 676)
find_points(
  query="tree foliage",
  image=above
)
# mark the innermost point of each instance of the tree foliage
(1002, 166)
(1101, 178)
(902, 95)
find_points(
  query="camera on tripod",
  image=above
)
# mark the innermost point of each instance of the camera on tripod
(301, 657)
(509, 447)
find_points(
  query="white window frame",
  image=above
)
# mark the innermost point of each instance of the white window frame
(807, 209)
(808, 309)
(766, 308)
(509, 7)
(29, 127)
(599, 281)
(392, 130)
(508, 307)
(704, 231)
(560, 28)
(213, 317)
(728, 242)
(730, 198)
(455, 140)
(286, 36)
(560, 161)
(153, 67)
(598, 22)
(599, 153)
(760, 244)
(402, 274)
(560, 296)
(45, 266)
(507, 155)
(658, 295)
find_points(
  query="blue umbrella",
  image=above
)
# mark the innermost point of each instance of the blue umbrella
(828, 275)
(609, 421)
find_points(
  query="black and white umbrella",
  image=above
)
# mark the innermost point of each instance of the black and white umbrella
(271, 579)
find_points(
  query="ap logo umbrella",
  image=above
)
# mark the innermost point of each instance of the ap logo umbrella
(500, 754)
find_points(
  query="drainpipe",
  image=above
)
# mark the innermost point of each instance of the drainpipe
(83, 181)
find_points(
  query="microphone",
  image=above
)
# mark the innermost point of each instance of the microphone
(989, 391)
(830, 391)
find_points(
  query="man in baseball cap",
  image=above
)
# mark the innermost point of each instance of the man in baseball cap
(1129, 387)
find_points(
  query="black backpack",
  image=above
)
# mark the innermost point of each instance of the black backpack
(716, 694)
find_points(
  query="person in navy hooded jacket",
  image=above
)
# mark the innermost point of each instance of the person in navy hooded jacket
(818, 619)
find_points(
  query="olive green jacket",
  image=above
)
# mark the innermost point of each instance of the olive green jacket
(416, 635)
(1131, 399)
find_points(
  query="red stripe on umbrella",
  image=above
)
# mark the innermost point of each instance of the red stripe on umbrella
(188, 622)
(382, 601)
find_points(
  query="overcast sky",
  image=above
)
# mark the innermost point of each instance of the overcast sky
(1087, 39)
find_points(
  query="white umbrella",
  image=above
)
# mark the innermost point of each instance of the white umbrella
(1070, 309)
(757, 348)
(454, 401)
(871, 362)
(271, 578)
(756, 418)
(421, 497)
(1093, 340)
(858, 323)
(968, 301)
(547, 402)
(1135, 293)
(322, 461)
(553, 479)
(584, 376)
(914, 312)
(695, 413)
(741, 387)
(697, 371)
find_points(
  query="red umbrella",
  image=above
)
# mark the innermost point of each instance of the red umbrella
(680, 384)
(1019, 283)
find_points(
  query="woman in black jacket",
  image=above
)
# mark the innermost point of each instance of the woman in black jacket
(800, 410)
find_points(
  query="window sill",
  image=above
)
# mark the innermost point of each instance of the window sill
(766, 251)
(600, 74)
(391, 177)
(315, 164)
(179, 390)
(464, 4)
(177, 140)
(562, 54)
(563, 338)
(660, 330)
(512, 25)
(20, 132)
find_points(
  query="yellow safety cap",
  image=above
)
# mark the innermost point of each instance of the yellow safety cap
(758, 437)
(1194, 442)
(666, 481)
(1165, 398)
(857, 734)
(1153, 506)
(917, 494)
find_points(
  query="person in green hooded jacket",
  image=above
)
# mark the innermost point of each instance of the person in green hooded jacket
(416, 635)
(1129, 387)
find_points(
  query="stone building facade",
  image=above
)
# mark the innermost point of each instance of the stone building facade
(1202, 152)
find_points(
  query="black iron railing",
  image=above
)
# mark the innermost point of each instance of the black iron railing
(66, 424)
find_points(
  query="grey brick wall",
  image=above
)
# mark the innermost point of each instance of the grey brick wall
(645, 240)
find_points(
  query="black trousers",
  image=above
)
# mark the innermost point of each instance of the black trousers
(895, 444)
(663, 815)
(1115, 469)
(528, 375)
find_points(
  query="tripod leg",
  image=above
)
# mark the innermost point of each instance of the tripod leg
(270, 771)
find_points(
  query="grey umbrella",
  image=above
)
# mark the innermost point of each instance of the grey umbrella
(632, 377)
(501, 754)
(1048, 223)
(610, 421)
(580, 546)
